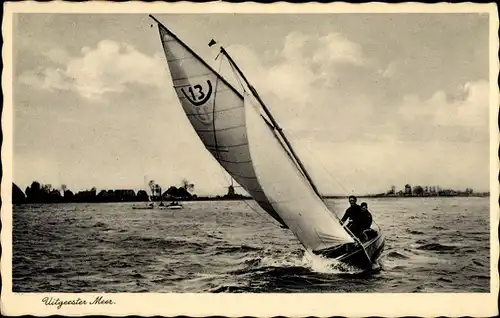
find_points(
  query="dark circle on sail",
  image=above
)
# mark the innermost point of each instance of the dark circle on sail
(197, 95)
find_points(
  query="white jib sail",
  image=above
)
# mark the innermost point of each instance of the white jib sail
(287, 189)
(216, 112)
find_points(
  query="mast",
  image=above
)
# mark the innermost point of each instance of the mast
(273, 121)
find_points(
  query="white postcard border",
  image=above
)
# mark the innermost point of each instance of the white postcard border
(192, 304)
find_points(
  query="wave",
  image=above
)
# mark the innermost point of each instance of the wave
(233, 289)
(120, 264)
(444, 279)
(396, 255)
(236, 249)
(143, 252)
(309, 267)
(135, 275)
(480, 277)
(52, 270)
(100, 224)
(437, 227)
(437, 247)
(474, 266)
(301, 278)
(414, 232)
(160, 243)
(478, 263)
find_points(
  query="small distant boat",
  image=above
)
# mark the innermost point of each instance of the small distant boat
(145, 207)
(174, 206)
(238, 129)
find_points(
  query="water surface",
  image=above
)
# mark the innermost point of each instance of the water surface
(432, 245)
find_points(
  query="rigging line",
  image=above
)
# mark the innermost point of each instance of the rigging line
(257, 211)
(248, 205)
(323, 167)
(236, 75)
(332, 214)
(213, 114)
(243, 199)
(217, 58)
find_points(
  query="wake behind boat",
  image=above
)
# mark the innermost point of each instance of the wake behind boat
(240, 132)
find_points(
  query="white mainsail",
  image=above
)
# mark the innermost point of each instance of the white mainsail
(288, 190)
(215, 110)
(247, 148)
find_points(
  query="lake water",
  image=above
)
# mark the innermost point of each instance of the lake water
(432, 245)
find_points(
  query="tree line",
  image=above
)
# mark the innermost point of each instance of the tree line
(45, 193)
(429, 191)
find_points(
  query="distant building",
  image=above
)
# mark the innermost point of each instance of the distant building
(230, 191)
(86, 196)
(125, 195)
(408, 190)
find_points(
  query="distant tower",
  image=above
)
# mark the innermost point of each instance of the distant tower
(230, 189)
(408, 189)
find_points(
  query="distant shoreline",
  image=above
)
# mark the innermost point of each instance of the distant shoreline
(378, 196)
(38, 193)
(246, 198)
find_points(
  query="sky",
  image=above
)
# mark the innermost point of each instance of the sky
(367, 100)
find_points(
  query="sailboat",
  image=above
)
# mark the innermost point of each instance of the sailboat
(174, 205)
(240, 132)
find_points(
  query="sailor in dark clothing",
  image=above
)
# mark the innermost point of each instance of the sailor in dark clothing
(359, 218)
(366, 222)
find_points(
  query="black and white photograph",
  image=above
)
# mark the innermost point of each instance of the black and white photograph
(230, 151)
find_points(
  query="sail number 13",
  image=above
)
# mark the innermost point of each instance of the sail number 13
(201, 94)
(197, 95)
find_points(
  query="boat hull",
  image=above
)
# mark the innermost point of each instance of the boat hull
(174, 207)
(354, 255)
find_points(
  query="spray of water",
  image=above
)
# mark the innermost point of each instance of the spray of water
(324, 265)
(315, 263)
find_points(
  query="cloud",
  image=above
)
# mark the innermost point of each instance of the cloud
(299, 80)
(58, 56)
(47, 78)
(317, 90)
(334, 48)
(361, 167)
(294, 46)
(461, 114)
(389, 70)
(107, 68)
(301, 85)
(351, 141)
